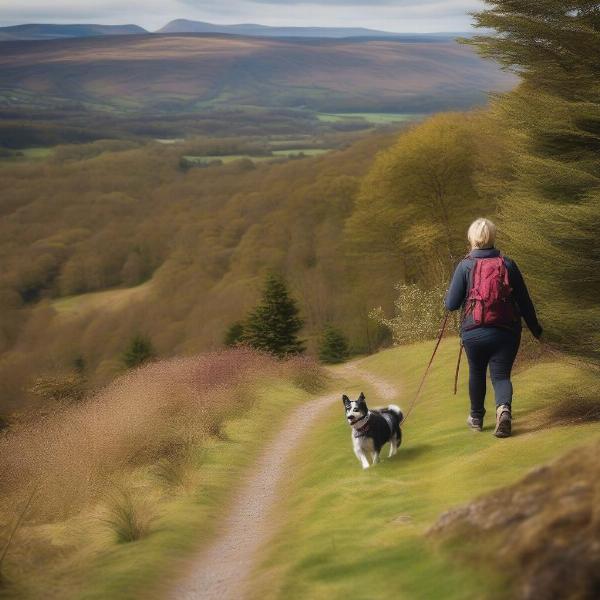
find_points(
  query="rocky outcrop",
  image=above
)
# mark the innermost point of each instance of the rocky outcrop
(544, 530)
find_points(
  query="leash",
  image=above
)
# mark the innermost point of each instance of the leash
(460, 353)
(422, 383)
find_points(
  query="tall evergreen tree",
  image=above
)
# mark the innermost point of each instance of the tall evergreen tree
(274, 324)
(333, 347)
(551, 216)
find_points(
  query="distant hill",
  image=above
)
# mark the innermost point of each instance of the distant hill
(36, 31)
(196, 72)
(252, 29)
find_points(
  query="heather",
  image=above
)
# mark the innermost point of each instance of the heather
(111, 459)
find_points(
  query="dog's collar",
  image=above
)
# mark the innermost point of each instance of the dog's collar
(362, 426)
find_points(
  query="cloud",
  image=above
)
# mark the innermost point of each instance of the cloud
(391, 15)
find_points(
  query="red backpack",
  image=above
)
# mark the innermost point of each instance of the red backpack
(489, 300)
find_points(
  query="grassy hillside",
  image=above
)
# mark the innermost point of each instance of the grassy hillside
(348, 533)
(126, 484)
(197, 72)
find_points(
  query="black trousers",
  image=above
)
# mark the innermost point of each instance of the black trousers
(497, 348)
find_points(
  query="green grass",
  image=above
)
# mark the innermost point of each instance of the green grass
(353, 534)
(305, 151)
(181, 523)
(105, 300)
(226, 158)
(277, 154)
(374, 118)
(27, 154)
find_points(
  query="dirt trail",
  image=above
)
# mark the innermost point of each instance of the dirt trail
(385, 390)
(222, 570)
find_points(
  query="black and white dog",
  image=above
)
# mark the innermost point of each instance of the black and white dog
(371, 429)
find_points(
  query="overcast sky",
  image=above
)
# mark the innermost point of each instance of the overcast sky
(389, 15)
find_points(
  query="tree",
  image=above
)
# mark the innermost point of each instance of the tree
(139, 351)
(274, 324)
(234, 334)
(551, 215)
(418, 199)
(333, 347)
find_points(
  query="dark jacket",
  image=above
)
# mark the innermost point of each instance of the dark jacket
(461, 283)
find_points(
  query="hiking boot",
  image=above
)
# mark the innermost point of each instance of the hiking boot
(503, 421)
(475, 423)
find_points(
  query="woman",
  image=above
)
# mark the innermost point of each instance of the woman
(492, 294)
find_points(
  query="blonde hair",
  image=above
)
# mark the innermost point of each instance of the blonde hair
(482, 234)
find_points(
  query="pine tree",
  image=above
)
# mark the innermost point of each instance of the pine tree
(551, 216)
(274, 324)
(333, 347)
(139, 351)
(234, 334)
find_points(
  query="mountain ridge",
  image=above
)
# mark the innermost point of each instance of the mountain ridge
(47, 31)
(256, 29)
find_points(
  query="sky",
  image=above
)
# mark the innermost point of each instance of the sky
(389, 15)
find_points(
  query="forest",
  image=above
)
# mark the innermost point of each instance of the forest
(133, 219)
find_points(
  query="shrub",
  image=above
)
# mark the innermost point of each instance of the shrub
(418, 313)
(140, 350)
(333, 347)
(65, 388)
(234, 334)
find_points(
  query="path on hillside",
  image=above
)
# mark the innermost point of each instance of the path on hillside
(222, 570)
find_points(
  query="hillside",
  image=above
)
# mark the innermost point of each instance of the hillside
(257, 485)
(45, 31)
(102, 241)
(413, 525)
(193, 73)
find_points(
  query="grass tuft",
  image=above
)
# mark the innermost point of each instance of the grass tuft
(129, 516)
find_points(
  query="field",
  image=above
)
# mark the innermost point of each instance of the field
(276, 154)
(100, 301)
(374, 118)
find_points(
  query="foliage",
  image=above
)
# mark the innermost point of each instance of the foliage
(418, 313)
(60, 388)
(139, 351)
(551, 214)
(334, 346)
(234, 334)
(97, 221)
(417, 201)
(273, 326)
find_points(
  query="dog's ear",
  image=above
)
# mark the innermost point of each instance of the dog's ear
(346, 400)
(361, 398)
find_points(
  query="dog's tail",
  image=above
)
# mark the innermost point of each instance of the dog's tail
(398, 411)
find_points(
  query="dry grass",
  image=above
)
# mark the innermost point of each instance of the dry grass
(129, 515)
(114, 457)
(152, 415)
